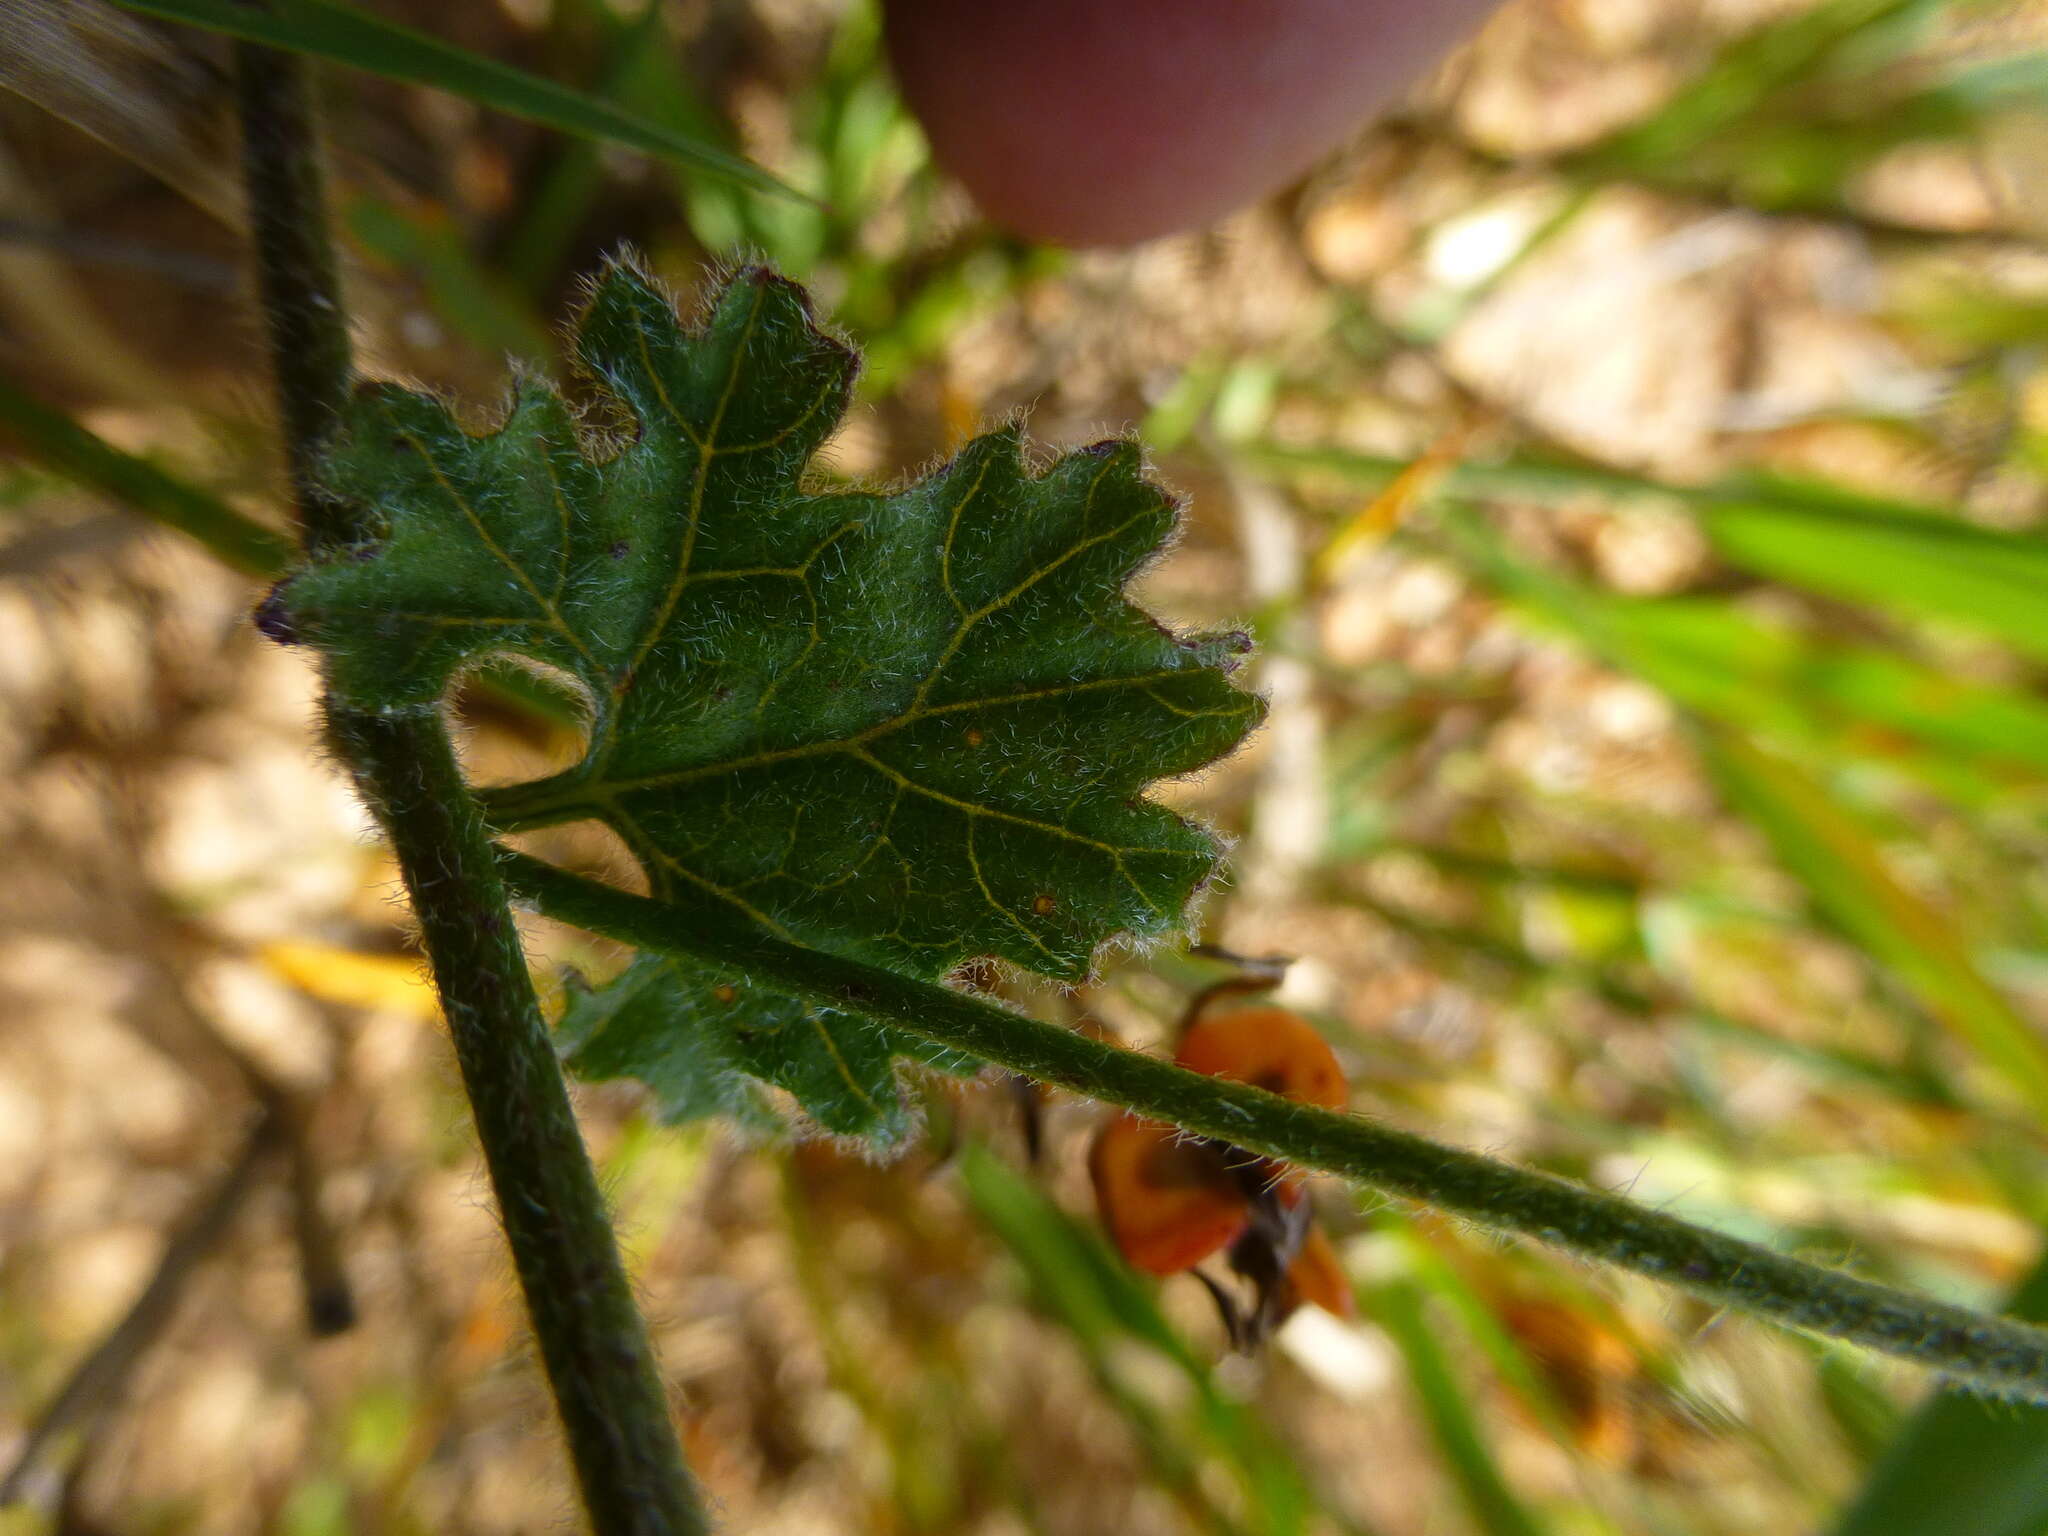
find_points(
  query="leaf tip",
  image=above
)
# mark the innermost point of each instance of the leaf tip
(1110, 450)
(763, 283)
(1226, 650)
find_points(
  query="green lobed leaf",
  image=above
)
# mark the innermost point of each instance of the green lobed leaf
(910, 729)
(705, 1043)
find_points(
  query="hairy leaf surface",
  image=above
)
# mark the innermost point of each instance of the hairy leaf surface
(911, 728)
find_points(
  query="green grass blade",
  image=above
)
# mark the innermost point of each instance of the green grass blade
(1919, 567)
(341, 34)
(1972, 314)
(1398, 1308)
(1435, 1275)
(1965, 1464)
(1914, 561)
(54, 440)
(2012, 79)
(558, 202)
(1837, 860)
(1771, 123)
(1720, 662)
(1749, 72)
(1524, 476)
(1866, 1417)
(1982, 723)
(475, 302)
(1739, 678)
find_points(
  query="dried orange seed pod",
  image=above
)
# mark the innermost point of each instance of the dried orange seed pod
(1317, 1276)
(1168, 1200)
(1268, 1048)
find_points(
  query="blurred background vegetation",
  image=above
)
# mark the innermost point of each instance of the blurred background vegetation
(1632, 457)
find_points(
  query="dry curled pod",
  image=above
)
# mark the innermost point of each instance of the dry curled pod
(1172, 1200)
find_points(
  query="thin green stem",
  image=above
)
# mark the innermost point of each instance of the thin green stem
(1990, 1354)
(53, 439)
(592, 1341)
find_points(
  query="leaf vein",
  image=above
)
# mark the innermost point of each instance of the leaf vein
(549, 611)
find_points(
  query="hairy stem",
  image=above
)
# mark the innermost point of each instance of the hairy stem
(592, 1341)
(1991, 1354)
(599, 1364)
(298, 280)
